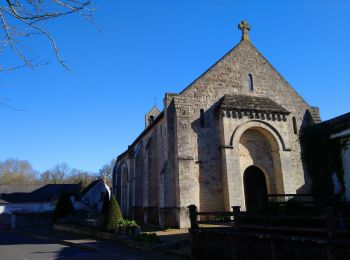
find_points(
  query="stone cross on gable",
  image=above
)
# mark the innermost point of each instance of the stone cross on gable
(244, 27)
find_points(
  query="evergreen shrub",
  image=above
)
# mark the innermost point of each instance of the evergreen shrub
(64, 207)
(112, 215)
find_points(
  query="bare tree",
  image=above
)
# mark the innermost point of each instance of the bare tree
(107, 171)
(80, 177)
(56, 175)
(14, 171)
(20, 19)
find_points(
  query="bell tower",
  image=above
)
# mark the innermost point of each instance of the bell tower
(151, 116)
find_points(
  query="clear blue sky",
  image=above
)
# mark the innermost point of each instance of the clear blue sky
(148, 47)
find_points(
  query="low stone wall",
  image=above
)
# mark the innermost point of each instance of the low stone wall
(225, 243)
(5, 221)
(21, 219)
(33, 219)
(99, 235)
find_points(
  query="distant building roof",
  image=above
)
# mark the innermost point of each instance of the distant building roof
(339, 123)
(36, 193)
(89, 187)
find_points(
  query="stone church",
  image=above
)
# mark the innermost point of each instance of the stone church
(228, 139)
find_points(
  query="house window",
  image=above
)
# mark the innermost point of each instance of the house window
(202, 118)
(295, 127)
(250, 83)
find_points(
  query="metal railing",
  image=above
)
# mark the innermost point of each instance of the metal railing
(281, 199)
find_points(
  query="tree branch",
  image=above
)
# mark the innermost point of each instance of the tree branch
(23, 18)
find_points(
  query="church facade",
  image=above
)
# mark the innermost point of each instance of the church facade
(228, 139)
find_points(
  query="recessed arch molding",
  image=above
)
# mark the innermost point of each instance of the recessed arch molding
(237, 133)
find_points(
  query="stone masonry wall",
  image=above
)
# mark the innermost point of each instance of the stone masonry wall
(145, 168)
(228, 76)
(189, 148)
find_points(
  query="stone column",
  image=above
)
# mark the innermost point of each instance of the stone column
(232, 177)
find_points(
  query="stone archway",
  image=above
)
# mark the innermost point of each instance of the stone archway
(139, 184)
(259, 148)
(255, 189)
(153, 182)
(253, 143)
(125, 192)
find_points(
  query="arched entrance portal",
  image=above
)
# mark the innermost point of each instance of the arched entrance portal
(255, 189)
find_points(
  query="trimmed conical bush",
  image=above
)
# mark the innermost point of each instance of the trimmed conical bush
(64, 207)
(112, 215)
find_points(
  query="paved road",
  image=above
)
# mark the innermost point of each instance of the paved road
(18, 247)
(13, 247)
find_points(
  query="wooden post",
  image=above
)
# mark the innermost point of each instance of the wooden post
(236, 214)
(193, 216)
(331, 222)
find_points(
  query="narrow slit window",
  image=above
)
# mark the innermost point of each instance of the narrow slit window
(250, 83)
(202, 118)
(150, 120)
(295, 128)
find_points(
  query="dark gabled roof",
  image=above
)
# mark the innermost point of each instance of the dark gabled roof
(339, 120)
(251, 103)
(89, 187)
(339, 123)
(36, 193)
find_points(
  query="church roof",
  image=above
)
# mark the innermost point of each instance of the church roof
(143, 133)
(251, 103)
(35, 193)
(339, 123)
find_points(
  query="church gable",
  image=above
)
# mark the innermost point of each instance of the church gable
(245, 71)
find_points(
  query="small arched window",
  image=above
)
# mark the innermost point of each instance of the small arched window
(250, 83)
(202, 118)
(150, 120)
